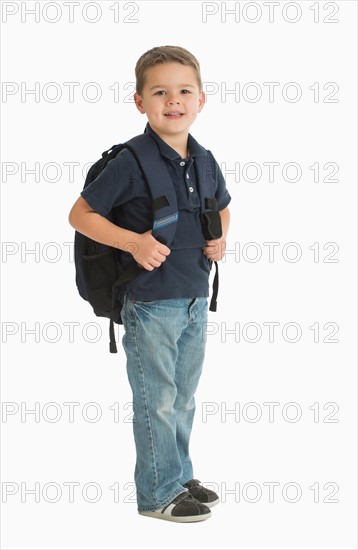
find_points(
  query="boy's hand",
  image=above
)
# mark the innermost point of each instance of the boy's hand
(215, 249)
(148, 252)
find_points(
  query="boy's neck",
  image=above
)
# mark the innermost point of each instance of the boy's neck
(178, 143)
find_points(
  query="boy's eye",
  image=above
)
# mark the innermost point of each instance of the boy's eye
(161, 92)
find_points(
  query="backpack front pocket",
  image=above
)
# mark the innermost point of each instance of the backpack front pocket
(101, 271)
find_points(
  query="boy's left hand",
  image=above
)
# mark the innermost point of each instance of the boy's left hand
(215, 249)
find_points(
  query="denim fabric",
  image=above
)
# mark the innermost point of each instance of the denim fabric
(165, 348)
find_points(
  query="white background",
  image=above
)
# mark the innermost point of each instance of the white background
(236, 454)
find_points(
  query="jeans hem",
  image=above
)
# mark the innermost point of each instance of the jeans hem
(168, 501)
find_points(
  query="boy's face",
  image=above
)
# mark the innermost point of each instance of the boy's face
(171, 99)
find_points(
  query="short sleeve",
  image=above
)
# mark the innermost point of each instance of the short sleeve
(221, 193)
(115, 185)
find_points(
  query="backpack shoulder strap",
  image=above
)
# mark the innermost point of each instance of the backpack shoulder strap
(164, 199)
(204, 169)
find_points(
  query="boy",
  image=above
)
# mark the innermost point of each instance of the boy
(165, 307)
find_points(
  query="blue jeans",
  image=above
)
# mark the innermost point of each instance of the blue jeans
(165, 348)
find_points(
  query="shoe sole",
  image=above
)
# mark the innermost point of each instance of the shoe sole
(178, 519)
(211, 504)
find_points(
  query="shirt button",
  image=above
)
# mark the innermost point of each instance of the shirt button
(182, 163)
(191, 189)
(187, 176)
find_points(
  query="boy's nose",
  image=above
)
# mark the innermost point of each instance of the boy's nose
(173, 99)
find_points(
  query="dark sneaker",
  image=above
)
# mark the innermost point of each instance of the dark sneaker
(203, 495)
(184, 508)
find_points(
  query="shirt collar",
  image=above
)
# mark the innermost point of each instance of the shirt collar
(194, 147)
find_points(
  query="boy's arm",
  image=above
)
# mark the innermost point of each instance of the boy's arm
(215, 249)
(145, 249)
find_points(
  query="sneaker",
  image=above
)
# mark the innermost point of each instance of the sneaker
(184, 508)
(200, 493)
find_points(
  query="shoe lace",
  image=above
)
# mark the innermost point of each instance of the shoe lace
(182, 496)
(192, 483)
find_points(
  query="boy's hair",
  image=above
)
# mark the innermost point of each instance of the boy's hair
(164, 54)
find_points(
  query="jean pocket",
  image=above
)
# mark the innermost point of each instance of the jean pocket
(145, 302)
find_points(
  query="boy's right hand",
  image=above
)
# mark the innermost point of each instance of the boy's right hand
(147, 251)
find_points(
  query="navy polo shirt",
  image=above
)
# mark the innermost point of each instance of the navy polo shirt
(121, 186)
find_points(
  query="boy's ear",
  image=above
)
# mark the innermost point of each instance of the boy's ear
(202, 100)
(139, 102)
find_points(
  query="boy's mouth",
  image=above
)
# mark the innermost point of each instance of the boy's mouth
(173, 114)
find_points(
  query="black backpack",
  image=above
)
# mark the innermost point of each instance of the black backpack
(99, 271)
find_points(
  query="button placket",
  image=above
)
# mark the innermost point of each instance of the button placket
(190, 188)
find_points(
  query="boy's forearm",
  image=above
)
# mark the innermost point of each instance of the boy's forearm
(97, 227)
(225, 220)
